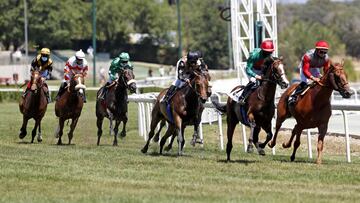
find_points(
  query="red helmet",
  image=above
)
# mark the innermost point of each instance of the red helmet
(322, 45)
(267, 46)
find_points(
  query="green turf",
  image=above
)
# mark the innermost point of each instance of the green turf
(84, 172)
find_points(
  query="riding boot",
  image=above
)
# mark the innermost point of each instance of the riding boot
(169, 94)
(246, 93)
(84, 97)
(298, 90)
(61, 90)
(48, 99)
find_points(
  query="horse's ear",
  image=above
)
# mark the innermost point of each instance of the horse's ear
(281, 58)
(342, 62)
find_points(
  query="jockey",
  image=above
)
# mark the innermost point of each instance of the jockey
(254, 67)
(310, 65)
(43, 64)
(75, 65)
(184, 72)
(117, 65)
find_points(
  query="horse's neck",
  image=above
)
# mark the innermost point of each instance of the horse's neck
(190, 95)
(322, 92)
(267, 90)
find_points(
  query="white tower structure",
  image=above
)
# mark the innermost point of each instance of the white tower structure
(242, 29)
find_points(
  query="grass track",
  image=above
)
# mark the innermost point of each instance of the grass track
(83, 172)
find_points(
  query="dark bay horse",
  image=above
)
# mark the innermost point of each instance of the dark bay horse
(259, 109)
(182, 110)
(115, 105)
(313, 109)
(34, 105)
(69, 106)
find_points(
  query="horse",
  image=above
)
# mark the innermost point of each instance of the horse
(181, 110)
(34, 105)
(259, 109)
(115, 105)
(69, 106)
(313, 109)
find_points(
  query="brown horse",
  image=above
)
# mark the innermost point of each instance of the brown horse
(115, 105)
(313, 109)
(69, 106)
(260, 107)
(182, 109)
(34, 105)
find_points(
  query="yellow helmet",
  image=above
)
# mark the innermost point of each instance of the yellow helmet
(45, 51)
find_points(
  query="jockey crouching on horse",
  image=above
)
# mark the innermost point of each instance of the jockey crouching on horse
(184, 72)
(254, 67)
(43, 64)
(120, 63)
(75, 65)
(310, 65)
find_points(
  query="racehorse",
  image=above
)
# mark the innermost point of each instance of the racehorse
(259, 108)
(181, 110)
(69, 106)
(313, 109)
(115, 105)
(33, 105)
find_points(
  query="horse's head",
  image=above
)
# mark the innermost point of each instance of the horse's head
(127, 79)
(275, 71)
(201, 86)
(77, 84)
(35, 80)
(338, 80)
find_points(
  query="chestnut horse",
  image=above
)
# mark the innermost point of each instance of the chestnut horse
(260, 107)
(181, 110)
(33, 105)
(313, 109)
(69, 106)
(115, 105)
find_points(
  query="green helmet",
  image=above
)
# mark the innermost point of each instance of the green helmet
(124, 57)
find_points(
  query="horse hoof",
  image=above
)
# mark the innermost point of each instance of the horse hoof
(262, 145)
(122, 135)
(59, 143)
(318, 162)
(250, 149)
(144, 150)
(156, 138)
(115, 144)
(261, 152)
(292, 158)
(193, 142)
(271, 144)
(284, 145)
(22, 134)
(39, 139)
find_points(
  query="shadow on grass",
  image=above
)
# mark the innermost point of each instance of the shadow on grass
(240, 161)
(174, 155)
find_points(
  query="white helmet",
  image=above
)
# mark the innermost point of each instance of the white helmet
(80, 54)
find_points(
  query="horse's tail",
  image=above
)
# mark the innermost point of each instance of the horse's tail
(218, 106)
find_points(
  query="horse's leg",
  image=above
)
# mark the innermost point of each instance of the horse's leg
(250, 147)
(33, 132)
(157, 135)
(282, 114)
(255, 136)
(296, 145)
(168, 132)
(169, 146)
(320, 145)
(183, 136)
(155, 120)
(231, 122)
(99, 123)
(111, 124)
(60, 130)
(39, 138)
(293, 133)
(178, 132)
(116, 130)
(123, 132)
(269, 135)
(196, 134)
(22, 133)
(72, 128)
